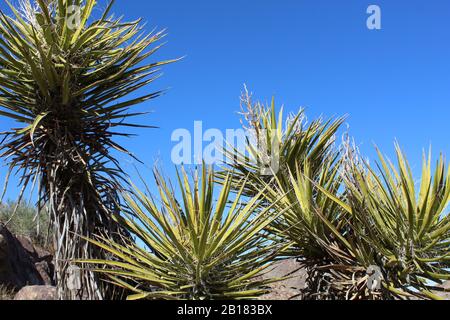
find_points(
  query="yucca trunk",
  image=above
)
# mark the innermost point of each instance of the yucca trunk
(77, 210)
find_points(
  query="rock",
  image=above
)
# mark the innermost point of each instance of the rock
(445, 295)
(3, 247)
(21, 264)
(290, 288)
(36, 293)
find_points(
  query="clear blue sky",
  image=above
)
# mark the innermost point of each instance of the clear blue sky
(393, 83)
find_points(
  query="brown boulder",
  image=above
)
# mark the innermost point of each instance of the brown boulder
(21, 264)
(37, 293)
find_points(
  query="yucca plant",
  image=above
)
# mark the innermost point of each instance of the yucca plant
(404, 224)
(320, 232)
(306, 160)
(381, 221)
(195, 248)
(278, 144)
(64, 78)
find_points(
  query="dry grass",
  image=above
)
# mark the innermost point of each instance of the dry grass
(6, 293)
(26, 222)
